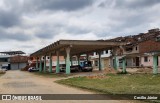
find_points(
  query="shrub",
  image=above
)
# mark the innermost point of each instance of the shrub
(122, 72)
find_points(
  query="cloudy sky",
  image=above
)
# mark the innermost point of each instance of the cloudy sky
(29, 25)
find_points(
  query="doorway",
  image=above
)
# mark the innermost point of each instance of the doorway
(157, 61)
(137, 61)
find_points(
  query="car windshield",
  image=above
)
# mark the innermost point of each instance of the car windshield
(88, 63)
(4, 67)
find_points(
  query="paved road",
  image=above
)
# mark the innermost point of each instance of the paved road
(18, 82)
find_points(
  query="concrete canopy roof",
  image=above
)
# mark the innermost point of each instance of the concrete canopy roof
(77, 47)
(12, 52)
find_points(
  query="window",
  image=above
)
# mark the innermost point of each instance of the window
(96, 63)
(136, 47)
(106, 52)
(145, 59)
(129, 49)
(6, 60)
(48, 57)
(158, 38)
(96, 53)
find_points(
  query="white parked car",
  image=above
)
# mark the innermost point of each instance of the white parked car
(2, 71)
(33, 69)
(5, 68)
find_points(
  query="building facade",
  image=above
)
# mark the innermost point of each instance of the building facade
(13, 60)
(105, 59)
(5, 61)
(139, 49)
(18, 62)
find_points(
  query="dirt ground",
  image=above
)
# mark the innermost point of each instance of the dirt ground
(19, 82)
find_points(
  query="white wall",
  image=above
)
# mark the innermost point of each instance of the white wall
(104, 54)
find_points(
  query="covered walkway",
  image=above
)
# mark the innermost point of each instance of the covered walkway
(69, 48)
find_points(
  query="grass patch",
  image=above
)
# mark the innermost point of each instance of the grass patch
(118, 83)
(50, 75)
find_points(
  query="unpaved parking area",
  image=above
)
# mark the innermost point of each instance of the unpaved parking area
(18, 82)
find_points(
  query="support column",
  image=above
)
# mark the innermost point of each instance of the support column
(68, 70)
(124, 65)
(71, 61)
(50, 63)
(155, 65)
(100, 65)
(36, 62)
(44, 64)
(65, 59)
(40, 69)
(116, 63)
(87, 57)
(78, 59)
(57, 66)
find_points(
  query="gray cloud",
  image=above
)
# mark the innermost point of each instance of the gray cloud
(64, 5)
(136, 4)
(130, 16)
(45, 20)
(106, 3)
(44, 35)
(9, 18)
(27, 46)
(48, 31)
(19, 37)
(76, 30)
(13, 36)
(129, 4)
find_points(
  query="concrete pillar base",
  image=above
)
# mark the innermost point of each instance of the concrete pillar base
(57, 66)
(155, 65)
(124, 65)
(36, 62)
(40, 69)
(116, 62)
(100, 61)
(78, 59)
(50, 63)
(44, 64)
(68, 70)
